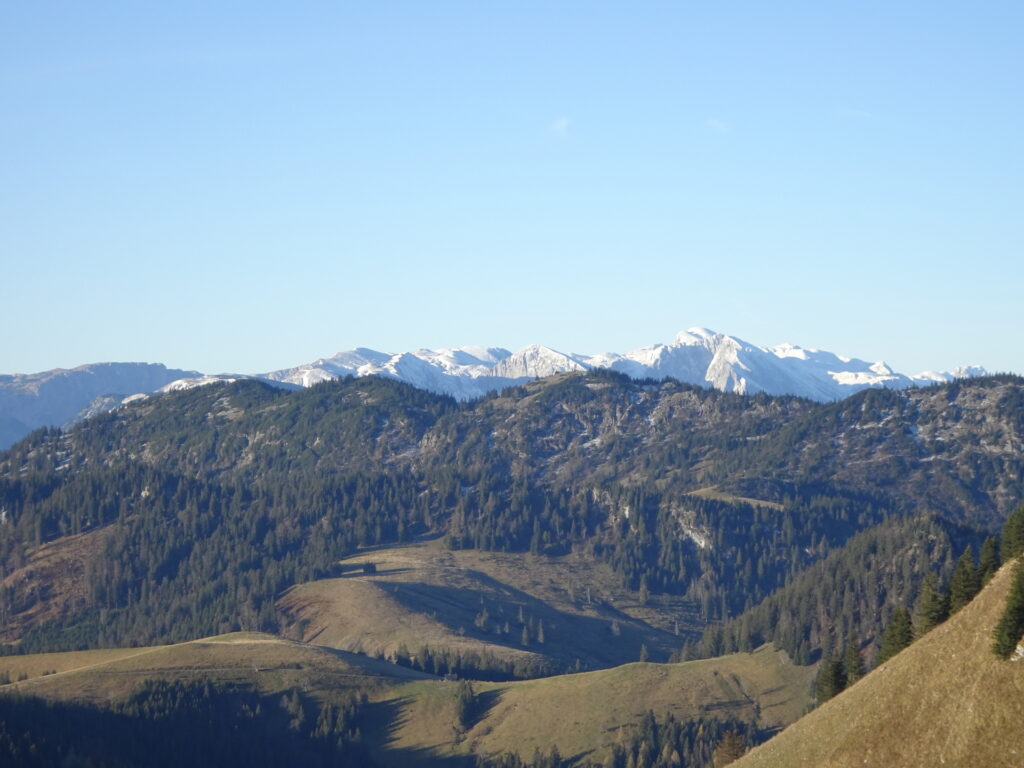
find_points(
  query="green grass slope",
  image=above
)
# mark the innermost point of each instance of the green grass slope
(583, 714)
(946, 700)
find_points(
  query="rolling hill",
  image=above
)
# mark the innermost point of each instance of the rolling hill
(574, 611)
(410, 717)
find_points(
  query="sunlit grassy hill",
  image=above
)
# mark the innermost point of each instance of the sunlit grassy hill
(467, 601)
(583, 714)
(944, 701)
(251, 659)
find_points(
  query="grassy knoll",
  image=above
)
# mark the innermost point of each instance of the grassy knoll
(263, 662)
(425, 595)
(583, 714)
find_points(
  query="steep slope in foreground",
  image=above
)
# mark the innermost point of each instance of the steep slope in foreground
(946, 700)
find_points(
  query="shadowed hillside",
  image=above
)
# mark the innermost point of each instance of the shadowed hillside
(410, 718)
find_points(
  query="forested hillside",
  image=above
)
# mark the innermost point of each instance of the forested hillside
(189, 513)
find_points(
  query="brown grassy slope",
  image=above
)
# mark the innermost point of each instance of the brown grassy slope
(582, 714)
(265, 662)
(944, 701)
(425, 595)
(51, 584)
(37, 664)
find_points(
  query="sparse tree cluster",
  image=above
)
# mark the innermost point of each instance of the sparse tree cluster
(671, 743)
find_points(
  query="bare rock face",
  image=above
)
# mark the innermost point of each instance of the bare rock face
(1018, 654)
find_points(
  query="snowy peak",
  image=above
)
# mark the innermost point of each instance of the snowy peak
(197, 381)
(960, 372)
(536, 362)
(697, 336)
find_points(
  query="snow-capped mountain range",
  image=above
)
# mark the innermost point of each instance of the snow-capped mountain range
(697, 356)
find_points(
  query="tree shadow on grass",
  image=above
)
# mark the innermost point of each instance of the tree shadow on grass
(385, 719)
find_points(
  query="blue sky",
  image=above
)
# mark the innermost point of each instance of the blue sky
(254, 185)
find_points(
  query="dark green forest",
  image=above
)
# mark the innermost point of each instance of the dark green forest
(171, 724)
(213, 501)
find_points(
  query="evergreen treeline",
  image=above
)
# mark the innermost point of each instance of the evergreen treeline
(702, 742)
(932, 607)
(185, 558)
(475, 665)
(171, 724)
(853, 590)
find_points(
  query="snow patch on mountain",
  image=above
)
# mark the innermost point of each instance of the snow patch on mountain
(537, 362)
(197, 381)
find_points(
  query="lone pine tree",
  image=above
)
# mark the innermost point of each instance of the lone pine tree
(899, 633)
(853, 662)
(932, 606)
(1013, 535)
(988, 561)
(831, 678)
(964, 583)
(1010, 629)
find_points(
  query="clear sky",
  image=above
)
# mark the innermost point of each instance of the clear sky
(248, 186)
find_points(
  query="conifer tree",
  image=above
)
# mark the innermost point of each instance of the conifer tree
(465, 704)
(831, 679)
(853, 662)
(964, 583)
(898, 634)
(1010, 628)
(988, 561)
(932, 606)
(1013, 535)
